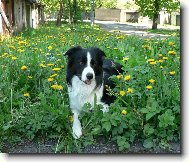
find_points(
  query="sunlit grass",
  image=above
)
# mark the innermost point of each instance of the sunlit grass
(33, 91)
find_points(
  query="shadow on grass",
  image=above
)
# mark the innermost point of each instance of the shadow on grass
(175, 32)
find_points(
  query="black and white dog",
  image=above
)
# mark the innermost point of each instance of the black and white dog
(87, 74)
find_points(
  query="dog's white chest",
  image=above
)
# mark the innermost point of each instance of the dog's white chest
(80, 93)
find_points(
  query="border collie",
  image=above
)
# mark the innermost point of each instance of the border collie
(87, 74)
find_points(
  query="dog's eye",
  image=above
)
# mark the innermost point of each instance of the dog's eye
(93, 62)
(81, 63)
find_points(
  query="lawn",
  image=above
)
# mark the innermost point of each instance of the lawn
(34, 102)
(175, 32)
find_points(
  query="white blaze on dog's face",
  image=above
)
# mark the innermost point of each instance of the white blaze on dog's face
(86, 64)
(88, 74)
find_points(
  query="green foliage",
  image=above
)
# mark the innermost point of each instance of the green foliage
(151, 116)
(130, 5)
(69, 10)
(148, 8)
(109, 4)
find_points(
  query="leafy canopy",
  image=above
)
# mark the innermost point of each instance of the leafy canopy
(148, 7)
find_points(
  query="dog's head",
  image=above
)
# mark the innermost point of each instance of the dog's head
(85, 63)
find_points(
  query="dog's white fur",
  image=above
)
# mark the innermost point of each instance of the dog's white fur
(81, 93)
(88, 69)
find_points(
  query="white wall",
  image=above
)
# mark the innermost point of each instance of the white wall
(35, 16)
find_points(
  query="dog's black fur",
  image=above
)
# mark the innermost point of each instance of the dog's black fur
(103, 68)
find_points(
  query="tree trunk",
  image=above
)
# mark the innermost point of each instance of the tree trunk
(70, 12)
(60, 14)
(155, 17)
(75, 11)
(92, 13)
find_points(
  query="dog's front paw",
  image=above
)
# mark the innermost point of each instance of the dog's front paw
(105, 108)
(77, 131)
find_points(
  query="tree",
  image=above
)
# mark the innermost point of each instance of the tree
(60, 13)
(106, 3)
(54, 6)
(71, 9)
(67, 9)
(151, 8)
(110, 3)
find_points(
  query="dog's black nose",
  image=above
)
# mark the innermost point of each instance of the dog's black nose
(89, 76)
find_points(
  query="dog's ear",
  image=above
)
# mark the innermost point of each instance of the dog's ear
(72, 50)
(99, 52)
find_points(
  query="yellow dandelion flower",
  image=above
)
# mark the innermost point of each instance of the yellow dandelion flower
(57, 87)
(29, 77)
(125, 59)
(171, 52)
(153, 63)
(172, 73)
(50, 65)
(26, 94)
(151, 60)
(21, 50)
(12, 47)
(42, 65)
(145, 46)
(161, 67)
(129, 90)
(122, 93)
(149, 87)
(152, 81)
(24, 67)
(165, 58)
(171, 43)
(56, 69)
(62, 66)
(119, 76)
(124, 112)
(54, 75)
(127, 78)
(22, 42)
(50, 79)
(120, 37)
(160, 61)
(50, 47)
(14, 58)
(160, 55)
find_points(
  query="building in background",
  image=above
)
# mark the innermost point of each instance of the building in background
(16, 15)
(134, 16)
(128, 11)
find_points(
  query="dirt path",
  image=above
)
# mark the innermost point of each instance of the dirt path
(134, 28)
(101, 146)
